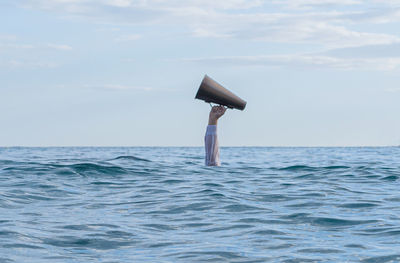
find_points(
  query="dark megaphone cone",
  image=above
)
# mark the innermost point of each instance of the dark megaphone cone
(211, 91)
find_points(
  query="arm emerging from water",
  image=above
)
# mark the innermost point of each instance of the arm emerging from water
(211, 138)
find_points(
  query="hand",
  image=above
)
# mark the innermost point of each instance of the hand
(216, 113)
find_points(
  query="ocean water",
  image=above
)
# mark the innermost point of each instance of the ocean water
(164, 205)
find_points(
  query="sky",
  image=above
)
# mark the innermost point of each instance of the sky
(125, 72)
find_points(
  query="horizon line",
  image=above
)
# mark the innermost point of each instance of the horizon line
(186, 146)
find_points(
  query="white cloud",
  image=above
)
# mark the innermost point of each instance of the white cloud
(304, 61)
(125, 38)
(372, 51)
(119, 87)
(382, 15)
(8, 37)
(122, 88)
(284, 28)
(203, 4)
(119, 3)
(284, 21)
(59, 47)
(112, 29)
(39, 46)
(387, 2)
(26, 64)
(393, 90)
(305, 4)
(18, 55)
(16, 46)
(12, 42)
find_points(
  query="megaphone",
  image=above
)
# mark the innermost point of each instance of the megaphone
(212, 91)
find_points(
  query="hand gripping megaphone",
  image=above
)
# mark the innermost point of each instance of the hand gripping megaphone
(211, 91)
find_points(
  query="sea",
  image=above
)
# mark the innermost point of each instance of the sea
(162, 204)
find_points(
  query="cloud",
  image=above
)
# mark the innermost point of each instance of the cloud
(23, 56)
(40, 46)
(279, 21)
(284, 28)
(305, 61)
(371, 51)
(119, 87)
(119, 3)
(379, 15)
(123, 88)
(203, 4)
(8, 37)
(26, 64)
(12, 42)
(308, 4)
(16, 46)
(59, 47)
(126, 38)
(393, 90)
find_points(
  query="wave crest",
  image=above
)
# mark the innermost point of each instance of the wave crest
(130, 158)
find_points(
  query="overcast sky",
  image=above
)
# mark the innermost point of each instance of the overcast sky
(125, 72)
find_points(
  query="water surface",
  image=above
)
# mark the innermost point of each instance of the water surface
(164, 205)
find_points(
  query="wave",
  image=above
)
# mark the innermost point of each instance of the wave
(130, 158)
(87, 169)
(358, 205)
(77, 203)
(81, 242)
(324, 221)
(311, 168)
(390, 178)
(382, 259)
(63, 169)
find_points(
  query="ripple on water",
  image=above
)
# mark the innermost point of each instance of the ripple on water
(162, 205)
(238, 208)
(302, 260)
(91, 169)
(210, 255)
(87, 243)
(324, 221)
(227, 228)
(319, 251)
(382, 259)
(275, 198)
(23, 246)
(358, 205)
(390, 178)
(130, 158)
(269, 232)
(6, 260)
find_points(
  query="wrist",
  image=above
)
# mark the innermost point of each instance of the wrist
(212, 121)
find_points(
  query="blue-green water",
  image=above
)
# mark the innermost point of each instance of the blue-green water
(164, 205)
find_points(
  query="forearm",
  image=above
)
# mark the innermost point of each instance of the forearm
(211, 146)
(211, 139)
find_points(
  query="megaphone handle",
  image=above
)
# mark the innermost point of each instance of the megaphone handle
(219, 105)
